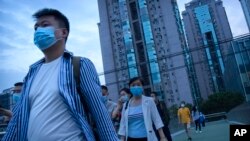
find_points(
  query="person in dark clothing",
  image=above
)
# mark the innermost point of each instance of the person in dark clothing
(163, 111)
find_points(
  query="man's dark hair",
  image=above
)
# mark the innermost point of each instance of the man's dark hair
(18, 84)
(134, 79)
(127, 90)
(62, 19)
(104, 87)
(153, 92)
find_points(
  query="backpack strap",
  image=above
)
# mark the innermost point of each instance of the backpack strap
(76, 69)
(126, 105)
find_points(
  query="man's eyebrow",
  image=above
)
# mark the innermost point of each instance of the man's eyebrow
(42, 22)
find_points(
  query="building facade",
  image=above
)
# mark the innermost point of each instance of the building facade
(206, 26)
(245, 4)
(238, 62)
(144, 38)
(6, 100)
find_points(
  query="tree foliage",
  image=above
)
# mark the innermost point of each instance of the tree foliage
(221, 102)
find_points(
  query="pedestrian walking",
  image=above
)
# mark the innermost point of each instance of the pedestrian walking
(139, 115)
(202, 119)
(164, 114)
(17, 92)
(110, 105)
(124, 95)
(184, 117)
(50, 107)
(196, 119)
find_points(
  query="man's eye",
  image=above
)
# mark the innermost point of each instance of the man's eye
(45, 25)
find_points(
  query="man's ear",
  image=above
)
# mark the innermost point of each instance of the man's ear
(65, 33)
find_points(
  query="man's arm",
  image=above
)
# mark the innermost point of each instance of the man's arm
(91, 90)
(155, 116)
(117, 109)
(179, 115)
(122, 128)
(12, 129)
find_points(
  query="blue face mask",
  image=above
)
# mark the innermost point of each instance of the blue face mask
(124, 98)
(44, 37)
(16, 97)
(105, 98)
(136, 90)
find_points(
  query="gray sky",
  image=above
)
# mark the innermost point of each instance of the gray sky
(17, 50)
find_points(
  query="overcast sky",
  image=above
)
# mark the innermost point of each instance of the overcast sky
(17, 50)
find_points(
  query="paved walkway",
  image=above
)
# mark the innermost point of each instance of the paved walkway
(214, 131)
(240, 114)
(218, 130)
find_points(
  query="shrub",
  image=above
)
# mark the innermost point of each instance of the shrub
(221, 102)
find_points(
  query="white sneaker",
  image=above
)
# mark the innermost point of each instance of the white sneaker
(196, 131)
(200, 131)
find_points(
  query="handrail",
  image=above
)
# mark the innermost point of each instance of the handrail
(3, 128)
(219, 114)
(3, 124)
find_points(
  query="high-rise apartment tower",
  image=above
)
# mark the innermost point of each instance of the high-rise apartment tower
(207, 27)
(144, 38)
(245, 4)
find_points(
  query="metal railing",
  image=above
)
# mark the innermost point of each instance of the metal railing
(2, 130)
(215, 116)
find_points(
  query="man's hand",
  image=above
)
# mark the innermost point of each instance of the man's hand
(163, 139)
(119, 103)
(6, 119)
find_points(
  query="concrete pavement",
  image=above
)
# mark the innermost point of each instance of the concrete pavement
(217, 130)
(240, 114)
(214, 131)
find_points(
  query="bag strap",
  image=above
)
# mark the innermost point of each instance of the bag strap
(76, 69)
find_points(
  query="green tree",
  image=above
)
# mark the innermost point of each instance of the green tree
(221, 102)
(173, 110)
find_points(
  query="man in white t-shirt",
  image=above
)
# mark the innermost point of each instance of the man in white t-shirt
(49, 107)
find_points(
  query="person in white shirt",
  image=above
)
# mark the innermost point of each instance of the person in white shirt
(52, 106)
(196, 119)
(139, 115)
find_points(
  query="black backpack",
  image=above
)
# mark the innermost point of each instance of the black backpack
(76, 69)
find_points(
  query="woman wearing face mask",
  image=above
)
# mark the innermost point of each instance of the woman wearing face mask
(139, 115)
(124, 95)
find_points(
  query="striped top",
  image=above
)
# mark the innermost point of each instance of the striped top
(136, 125)
(91, 90)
